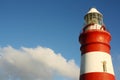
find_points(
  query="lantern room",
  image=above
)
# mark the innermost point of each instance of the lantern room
(93, 20)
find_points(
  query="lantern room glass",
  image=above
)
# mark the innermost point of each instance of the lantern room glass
(93, 18)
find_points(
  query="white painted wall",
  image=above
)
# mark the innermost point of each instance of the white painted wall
(93, 62)
(93, 27)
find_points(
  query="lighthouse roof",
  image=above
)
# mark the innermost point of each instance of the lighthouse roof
(93, 10)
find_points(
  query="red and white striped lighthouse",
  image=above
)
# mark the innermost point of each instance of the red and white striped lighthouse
(96, 62)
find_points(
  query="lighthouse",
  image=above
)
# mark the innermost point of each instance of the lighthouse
(96, 61)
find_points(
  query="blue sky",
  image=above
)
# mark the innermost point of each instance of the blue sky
(55, 24)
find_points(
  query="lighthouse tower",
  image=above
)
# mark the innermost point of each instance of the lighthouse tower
(96, 63)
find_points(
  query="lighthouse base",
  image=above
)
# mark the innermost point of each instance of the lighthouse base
(97, 76)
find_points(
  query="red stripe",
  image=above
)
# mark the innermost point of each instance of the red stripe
(95, 40)
(94, 36)
(95, 47)
(97, 76)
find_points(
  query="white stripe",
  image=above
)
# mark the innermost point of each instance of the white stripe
(93, 62)
(95, 26)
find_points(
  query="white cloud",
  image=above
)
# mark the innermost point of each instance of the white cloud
(35, 64)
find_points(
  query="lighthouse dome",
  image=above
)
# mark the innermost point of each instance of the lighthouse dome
(93, 10)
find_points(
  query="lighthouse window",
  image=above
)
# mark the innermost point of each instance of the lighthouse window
(104, 66)
(90, 16)
(87, 17)
(94, 16)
